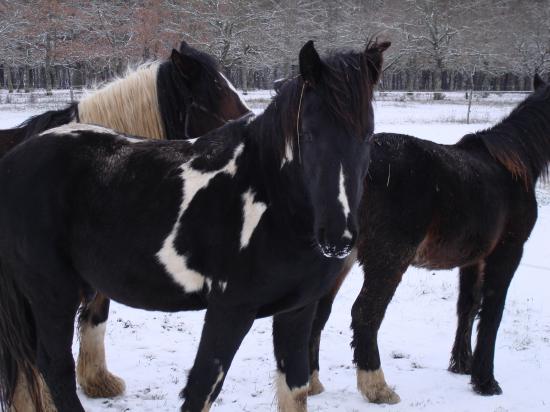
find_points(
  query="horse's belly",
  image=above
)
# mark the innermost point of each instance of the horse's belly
(442, 252)
(146, 286)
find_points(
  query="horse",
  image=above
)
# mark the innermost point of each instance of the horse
(470, 205)
(181, 98)
(253, 219)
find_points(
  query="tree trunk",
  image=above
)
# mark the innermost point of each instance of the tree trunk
(9, 79)
(27, 79)
(244, 79)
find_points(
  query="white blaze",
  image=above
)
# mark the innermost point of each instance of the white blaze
(342, 196)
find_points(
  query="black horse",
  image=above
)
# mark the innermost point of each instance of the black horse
(251, 220)
(183, 97)
(470, 205)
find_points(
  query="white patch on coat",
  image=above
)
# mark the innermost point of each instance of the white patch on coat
(193, 181)
(342, 196)
(222, 285)
(252, 213)
(132, 139)
(289, 154)
(234, 90)
(347, 234)
(74, 129)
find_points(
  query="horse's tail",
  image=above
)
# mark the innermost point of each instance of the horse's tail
(10, 138)
(21, 385)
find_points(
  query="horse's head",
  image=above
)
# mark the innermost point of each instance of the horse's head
(334, 126)
(210, 99)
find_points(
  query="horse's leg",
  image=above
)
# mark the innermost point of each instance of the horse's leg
(382, 276)
(321, 317)
(223, 331)
(469, 299)
(500, 267)
(291, 331)
(22, 398)
(92, 374)
(54, 317)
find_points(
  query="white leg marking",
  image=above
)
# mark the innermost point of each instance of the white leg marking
(342, 196)
(230, 85)
(252, 213)
(208, 404)
(193, 181)
(290, 400)
(373, 386)
(91, 371)
(315, 385)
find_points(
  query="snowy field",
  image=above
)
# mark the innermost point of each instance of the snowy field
(154, 351)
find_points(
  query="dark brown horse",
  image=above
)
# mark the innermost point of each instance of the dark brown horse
(470, 205)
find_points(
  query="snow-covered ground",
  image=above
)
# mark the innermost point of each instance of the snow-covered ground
(153, 351)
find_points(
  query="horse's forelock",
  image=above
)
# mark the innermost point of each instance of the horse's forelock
(349, 84)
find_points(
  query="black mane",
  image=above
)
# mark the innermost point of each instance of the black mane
(347, 84)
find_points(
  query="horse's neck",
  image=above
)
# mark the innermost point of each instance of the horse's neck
(278, 182)
(128, 105)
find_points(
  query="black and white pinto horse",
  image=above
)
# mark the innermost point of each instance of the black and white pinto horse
(251, 220)
(181, 98)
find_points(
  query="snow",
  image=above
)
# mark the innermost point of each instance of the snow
(153, 351)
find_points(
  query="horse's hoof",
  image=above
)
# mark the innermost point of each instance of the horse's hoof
(488, 388)
(315, 385)
(103, 385)
(373, 386)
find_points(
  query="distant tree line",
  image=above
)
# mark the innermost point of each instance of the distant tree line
(437, 44)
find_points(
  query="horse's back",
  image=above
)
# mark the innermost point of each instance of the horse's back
(450, 203)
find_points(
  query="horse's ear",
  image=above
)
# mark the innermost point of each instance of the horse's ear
(538, 82)
(310, 64)
(375, 58)
(187, 66)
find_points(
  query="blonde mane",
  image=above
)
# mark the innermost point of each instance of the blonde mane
(128, 105)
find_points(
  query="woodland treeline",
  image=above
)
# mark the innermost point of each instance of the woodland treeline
(437, 44)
